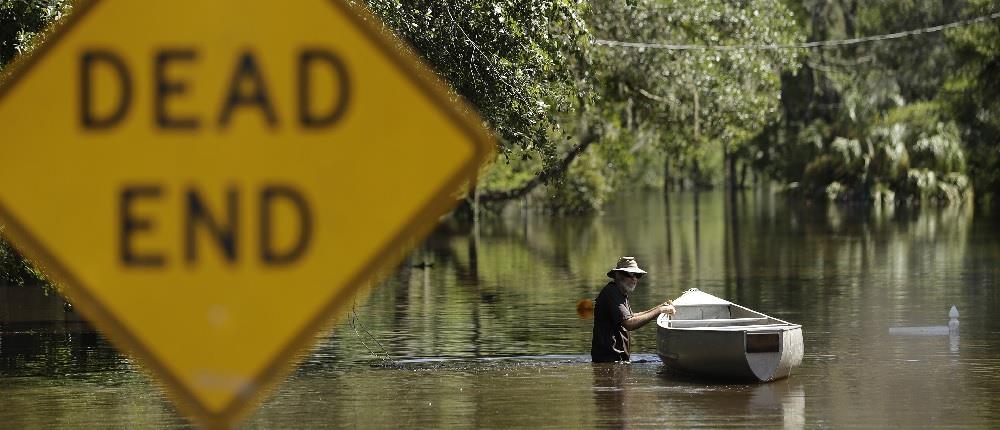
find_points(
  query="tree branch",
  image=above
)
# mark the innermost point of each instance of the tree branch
(545, 174)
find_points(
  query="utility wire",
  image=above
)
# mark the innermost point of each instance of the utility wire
(807, 45)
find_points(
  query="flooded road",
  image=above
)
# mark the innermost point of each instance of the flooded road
(479, 327)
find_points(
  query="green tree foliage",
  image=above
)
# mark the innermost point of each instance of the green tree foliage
(532, 70)
(658, 110)
(692, 103)
(22, 20)
(885, 98)
(524, 65)
(973, 96)
(906, 152)
(511, 59)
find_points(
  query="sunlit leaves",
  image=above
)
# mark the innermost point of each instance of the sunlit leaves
(915, 104)
(694, 97)
(21, 21)
(511, 59)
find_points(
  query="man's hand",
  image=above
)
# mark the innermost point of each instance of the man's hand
(640, 319)
(668, 308)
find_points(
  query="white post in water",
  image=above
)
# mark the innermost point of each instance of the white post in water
(953, 330)
(938, 330)
(953, 321)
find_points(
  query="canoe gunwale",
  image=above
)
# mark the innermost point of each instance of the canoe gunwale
(751, 328)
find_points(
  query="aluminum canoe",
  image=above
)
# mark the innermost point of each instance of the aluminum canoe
(712, 337)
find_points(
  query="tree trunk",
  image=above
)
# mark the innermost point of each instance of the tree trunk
(666, 174)
(697, 125)
(743, 175)
(696, 174)
(695, 167)
(731, 162)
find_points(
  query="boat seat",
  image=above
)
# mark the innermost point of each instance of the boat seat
(702, 312)
(717, 322)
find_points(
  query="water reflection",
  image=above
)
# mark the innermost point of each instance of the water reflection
(611, 396)
(783, 397)
(41, 335)
(696, 402)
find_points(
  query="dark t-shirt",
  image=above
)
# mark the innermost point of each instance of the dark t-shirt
(610, 340)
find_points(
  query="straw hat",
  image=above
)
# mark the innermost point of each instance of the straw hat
(626, 264)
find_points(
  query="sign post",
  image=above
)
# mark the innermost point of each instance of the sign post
(211, 183)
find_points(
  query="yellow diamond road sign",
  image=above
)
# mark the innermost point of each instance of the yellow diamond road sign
(212, 181)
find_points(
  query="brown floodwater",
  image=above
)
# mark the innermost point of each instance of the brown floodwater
(479, 327)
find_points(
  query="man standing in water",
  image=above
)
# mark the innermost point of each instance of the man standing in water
(613, 317)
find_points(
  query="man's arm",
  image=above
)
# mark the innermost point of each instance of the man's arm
(642, 318)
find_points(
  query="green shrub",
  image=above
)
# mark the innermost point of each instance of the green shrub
(940, 150)
(836, 192)
(928, 185)
(890, 158)
(913, 152)
(820, 172)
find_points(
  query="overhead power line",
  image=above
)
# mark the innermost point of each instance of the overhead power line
(806, 45)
